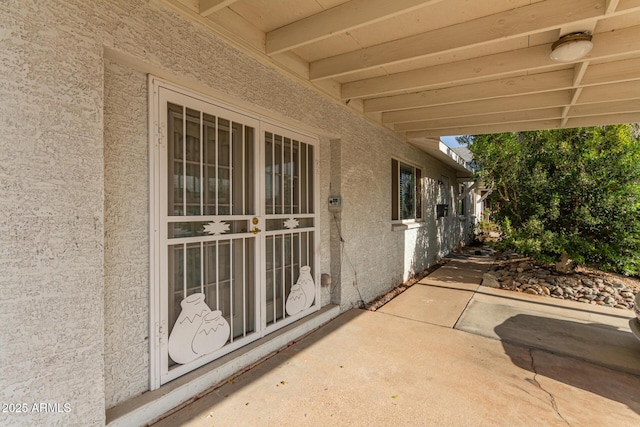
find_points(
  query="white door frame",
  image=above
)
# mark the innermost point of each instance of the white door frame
(159, 330)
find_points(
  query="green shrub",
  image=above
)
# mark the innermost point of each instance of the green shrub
(573, 191)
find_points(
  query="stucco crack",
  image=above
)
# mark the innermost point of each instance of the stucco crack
(552, 399)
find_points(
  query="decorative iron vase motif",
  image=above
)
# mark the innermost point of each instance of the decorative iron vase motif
(295, 301)
(212, 334)
(194, 309)
(302, 293)
(305, 281)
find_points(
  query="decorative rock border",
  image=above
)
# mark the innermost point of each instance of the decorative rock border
(523, 275)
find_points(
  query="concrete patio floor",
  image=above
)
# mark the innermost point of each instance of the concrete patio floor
(444, 352)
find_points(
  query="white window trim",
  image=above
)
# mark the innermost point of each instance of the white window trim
(410, 223)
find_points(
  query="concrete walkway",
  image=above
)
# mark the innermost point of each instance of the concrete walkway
(445, 352)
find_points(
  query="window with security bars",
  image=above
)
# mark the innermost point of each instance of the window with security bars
(406, 191)
(289, 208)
(210, 174)
(209, 164)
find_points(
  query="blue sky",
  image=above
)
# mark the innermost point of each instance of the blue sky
(450, 141)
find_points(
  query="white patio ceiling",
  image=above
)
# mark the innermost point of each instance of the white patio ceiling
(428, 68)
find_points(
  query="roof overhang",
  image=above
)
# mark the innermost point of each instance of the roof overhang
(431, 68)
(440, 151)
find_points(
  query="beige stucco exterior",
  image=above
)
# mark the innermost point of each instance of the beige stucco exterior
(74, 189)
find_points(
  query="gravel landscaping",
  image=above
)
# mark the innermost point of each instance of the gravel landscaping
(585, 285)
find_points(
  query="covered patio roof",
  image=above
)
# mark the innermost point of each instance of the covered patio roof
(429, 68)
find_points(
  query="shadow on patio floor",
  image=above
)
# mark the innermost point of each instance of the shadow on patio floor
(602, 359)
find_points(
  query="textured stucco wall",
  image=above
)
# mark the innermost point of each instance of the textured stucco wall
(126, 224)
(366, 220)
(325, 220)
(51, 219)
(56, 164)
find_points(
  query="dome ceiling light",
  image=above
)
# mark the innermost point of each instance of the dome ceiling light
(571, 47)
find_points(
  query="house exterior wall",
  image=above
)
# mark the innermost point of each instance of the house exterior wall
(126, 242)
(51, 220)
(75, 193)
(366, 221)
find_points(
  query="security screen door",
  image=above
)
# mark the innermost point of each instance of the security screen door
(236, 230)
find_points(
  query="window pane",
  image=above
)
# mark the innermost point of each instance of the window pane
(269, 174)
(209, 168)
(310, 184)
(418, 193)
(395, 186)
(175, 164)
(286, 175)
(224, 183)
(176, 281)
(237, 189)
(295, 176)
(407, 192)
(278, 184)
(247, 185)
(304, 181)
(192, 176)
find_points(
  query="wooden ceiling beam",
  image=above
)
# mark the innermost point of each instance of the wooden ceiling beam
(580, 76)
(600, 120)
(617, 71)
(498, 105)
(513, 86)
(606, 114)
(606, 45)
(451, 73)
(622, 96)
(603, 108)
(208, 7)
(484, 129)
(518, 22)
(616, 91)
(611, 6)
(624, 5)
(578, 72)
(484, 119)
(567, 108)
(603, 120)
(337, 20)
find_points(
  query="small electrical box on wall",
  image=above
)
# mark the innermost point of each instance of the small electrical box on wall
(335, 204)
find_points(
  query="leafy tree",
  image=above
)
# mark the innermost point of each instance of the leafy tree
(573, 191)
